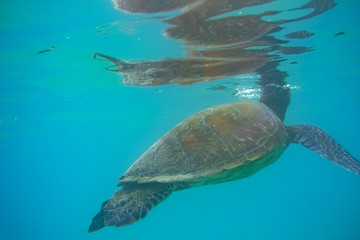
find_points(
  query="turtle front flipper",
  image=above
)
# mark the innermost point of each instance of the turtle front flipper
(323, 144)
(130, 204)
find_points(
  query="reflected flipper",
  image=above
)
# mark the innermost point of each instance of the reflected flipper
(323, 144)
(130, 204)
(119, 65)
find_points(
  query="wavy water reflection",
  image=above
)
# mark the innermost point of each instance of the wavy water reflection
(222, 39)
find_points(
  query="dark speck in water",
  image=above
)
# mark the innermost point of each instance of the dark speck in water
(339, 33)
(46, 50)
(217, 87)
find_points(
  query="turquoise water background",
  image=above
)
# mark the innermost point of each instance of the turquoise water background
(69, 129)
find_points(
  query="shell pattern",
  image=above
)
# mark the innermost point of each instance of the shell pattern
(211, 144)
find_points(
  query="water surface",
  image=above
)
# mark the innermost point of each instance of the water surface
(69, 128)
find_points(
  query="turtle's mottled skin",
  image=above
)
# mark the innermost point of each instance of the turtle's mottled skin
(219, 144)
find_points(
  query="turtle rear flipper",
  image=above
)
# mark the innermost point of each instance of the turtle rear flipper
(323, 144)
(130, 204)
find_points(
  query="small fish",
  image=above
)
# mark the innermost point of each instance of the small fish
(338, 34)
(46, 50)
(217, 87)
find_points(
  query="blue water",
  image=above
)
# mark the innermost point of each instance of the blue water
(69, 129)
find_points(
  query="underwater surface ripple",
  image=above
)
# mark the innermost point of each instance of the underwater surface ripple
(69, 129)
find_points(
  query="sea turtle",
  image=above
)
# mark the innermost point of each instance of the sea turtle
(222, 143)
